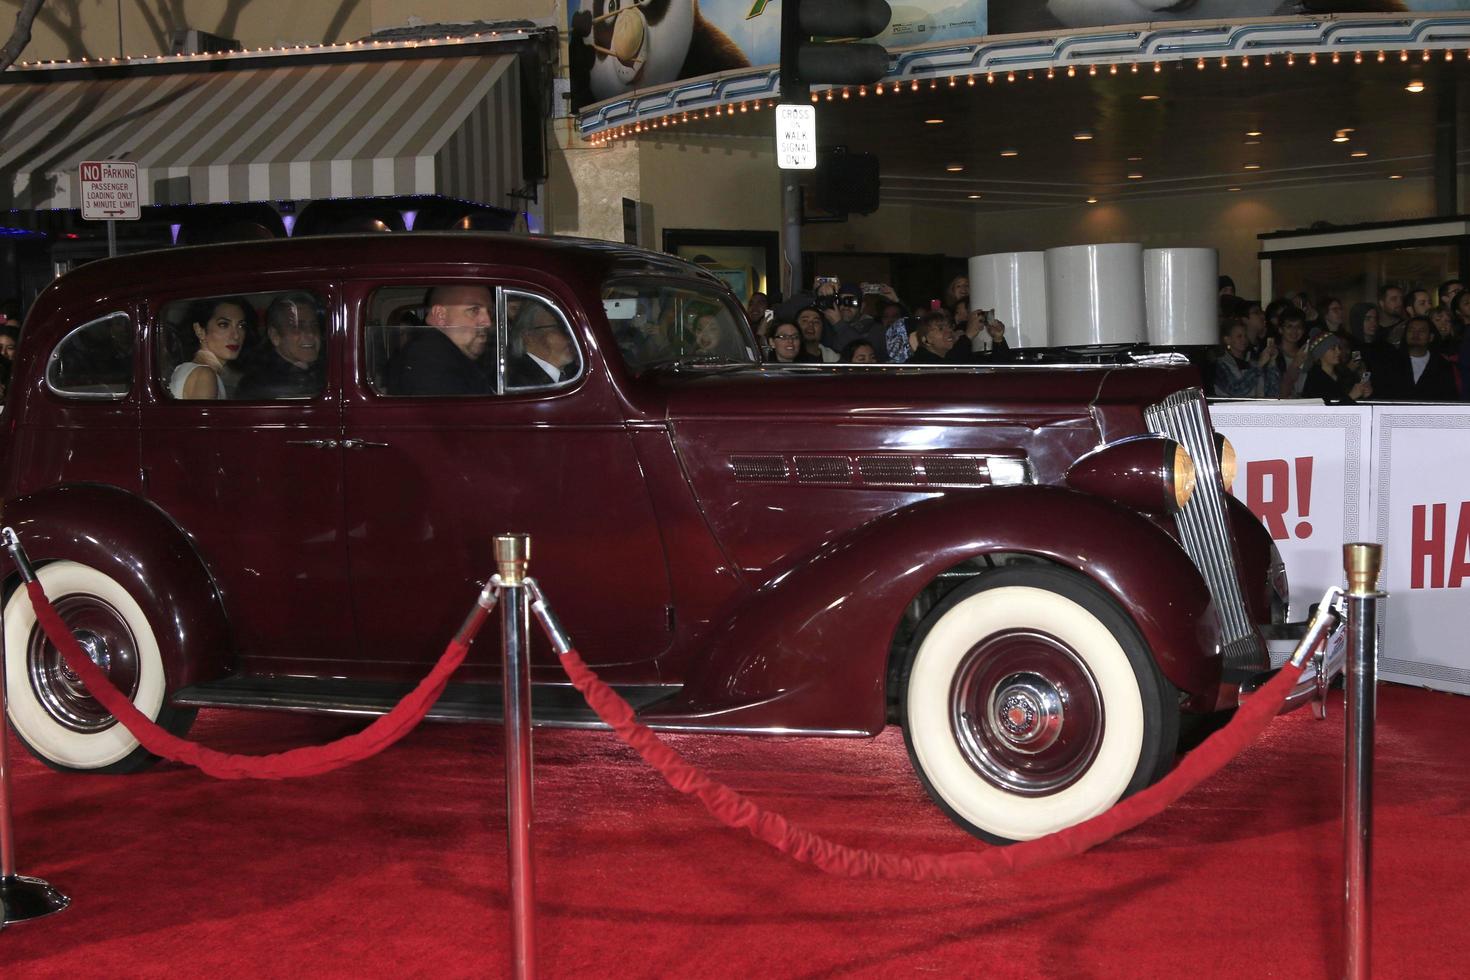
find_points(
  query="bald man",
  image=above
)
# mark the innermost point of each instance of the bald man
(443, 360)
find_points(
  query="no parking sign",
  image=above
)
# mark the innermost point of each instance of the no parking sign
(109, 190)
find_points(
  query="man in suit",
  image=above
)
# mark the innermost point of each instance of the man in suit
(292, 368)
(1421, 375)
(547, 354)
(443, 360)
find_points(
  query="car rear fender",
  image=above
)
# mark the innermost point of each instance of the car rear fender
(136, 544)
(810, 649)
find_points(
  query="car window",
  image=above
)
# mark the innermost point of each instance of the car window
(266, 346)
(465, 339)
(95, 360)
(664, 324)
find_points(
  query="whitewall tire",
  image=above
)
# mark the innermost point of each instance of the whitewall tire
(49, 708)
(1031, 703)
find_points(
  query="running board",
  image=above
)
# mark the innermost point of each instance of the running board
(558, 706)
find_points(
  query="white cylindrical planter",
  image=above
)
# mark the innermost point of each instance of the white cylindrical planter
(1013, 284)
(1094, 294)
(1181, 287)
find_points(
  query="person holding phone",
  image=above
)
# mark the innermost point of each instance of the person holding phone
(1328, 378)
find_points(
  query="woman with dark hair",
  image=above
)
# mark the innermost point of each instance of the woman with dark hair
(217, 329)
(859, 352)
(9, 338)
(786, 345)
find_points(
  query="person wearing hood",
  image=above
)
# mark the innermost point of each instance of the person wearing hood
(1328, 378)
(1369, 344)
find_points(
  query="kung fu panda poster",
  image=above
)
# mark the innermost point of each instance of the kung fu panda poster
(617, 46)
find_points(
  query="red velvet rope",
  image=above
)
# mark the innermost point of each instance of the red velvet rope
(735, 810)
(309, 760)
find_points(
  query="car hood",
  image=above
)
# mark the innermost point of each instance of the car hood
(863, 393)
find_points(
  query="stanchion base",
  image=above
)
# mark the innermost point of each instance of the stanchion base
(25, 898)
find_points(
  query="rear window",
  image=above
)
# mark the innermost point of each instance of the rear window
(95, 360)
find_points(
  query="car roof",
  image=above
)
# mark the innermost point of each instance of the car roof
(569, 258)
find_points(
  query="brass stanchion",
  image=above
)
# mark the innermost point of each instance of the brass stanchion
(1362, 563)
(21, 897)
(512, 554)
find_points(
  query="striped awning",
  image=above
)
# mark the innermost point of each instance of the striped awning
(446, 125)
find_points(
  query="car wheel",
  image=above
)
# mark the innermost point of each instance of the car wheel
(1031, 703)
(50, 709)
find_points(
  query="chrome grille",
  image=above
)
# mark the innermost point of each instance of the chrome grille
(759, 469)
(1204, 525)
(823, 469)
(955, 471)
(899, 470)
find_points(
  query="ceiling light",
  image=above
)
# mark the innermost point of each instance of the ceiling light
(1134, 159)
(1149, 98)
(1092, 200)
(1010, 153)
(1395, 176)
(1082, 136)
(974, 197)
(933, 122)
(1415, 86)
(1254, 132)
(1253, 166)
(1340, 138)
(1359, 154)
(1135, 176)
(954, 168)
(1252, 142)
(1232, 189)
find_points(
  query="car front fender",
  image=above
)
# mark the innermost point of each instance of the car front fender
(136, 544)
(810, 650)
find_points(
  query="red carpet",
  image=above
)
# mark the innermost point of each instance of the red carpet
(395, 867)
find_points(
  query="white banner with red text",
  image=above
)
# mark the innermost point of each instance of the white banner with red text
(1320, 476)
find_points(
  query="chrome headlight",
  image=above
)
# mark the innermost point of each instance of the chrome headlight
(1225, 453)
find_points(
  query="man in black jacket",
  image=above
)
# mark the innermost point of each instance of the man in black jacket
(443, 360)
(292, 368)
(1421, 375)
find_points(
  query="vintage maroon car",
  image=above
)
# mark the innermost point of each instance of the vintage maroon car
(1033, 569)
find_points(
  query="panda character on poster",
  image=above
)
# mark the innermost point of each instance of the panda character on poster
(622, 45)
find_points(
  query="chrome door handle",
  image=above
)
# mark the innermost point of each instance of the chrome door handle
(363, 444)
(314, 443)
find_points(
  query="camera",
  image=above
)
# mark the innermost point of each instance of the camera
(824, 302)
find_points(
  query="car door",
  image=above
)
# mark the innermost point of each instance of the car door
(431, 479)
(256, 482)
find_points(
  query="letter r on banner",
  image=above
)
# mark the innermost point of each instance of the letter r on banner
(1270, 508)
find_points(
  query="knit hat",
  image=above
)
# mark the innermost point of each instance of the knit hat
(1321, 346)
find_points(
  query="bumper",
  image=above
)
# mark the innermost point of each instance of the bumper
(1321, 641)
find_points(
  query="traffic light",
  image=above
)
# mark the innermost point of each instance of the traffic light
(804, 63)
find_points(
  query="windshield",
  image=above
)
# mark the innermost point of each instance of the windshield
(675, 324)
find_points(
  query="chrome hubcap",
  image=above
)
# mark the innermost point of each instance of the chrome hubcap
(104, 636)
(1026, 712)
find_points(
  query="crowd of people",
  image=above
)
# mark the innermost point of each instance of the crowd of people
(1411, 345)
(868, 324)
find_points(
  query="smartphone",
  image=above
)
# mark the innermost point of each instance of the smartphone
(827, 280)
(872, 287)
